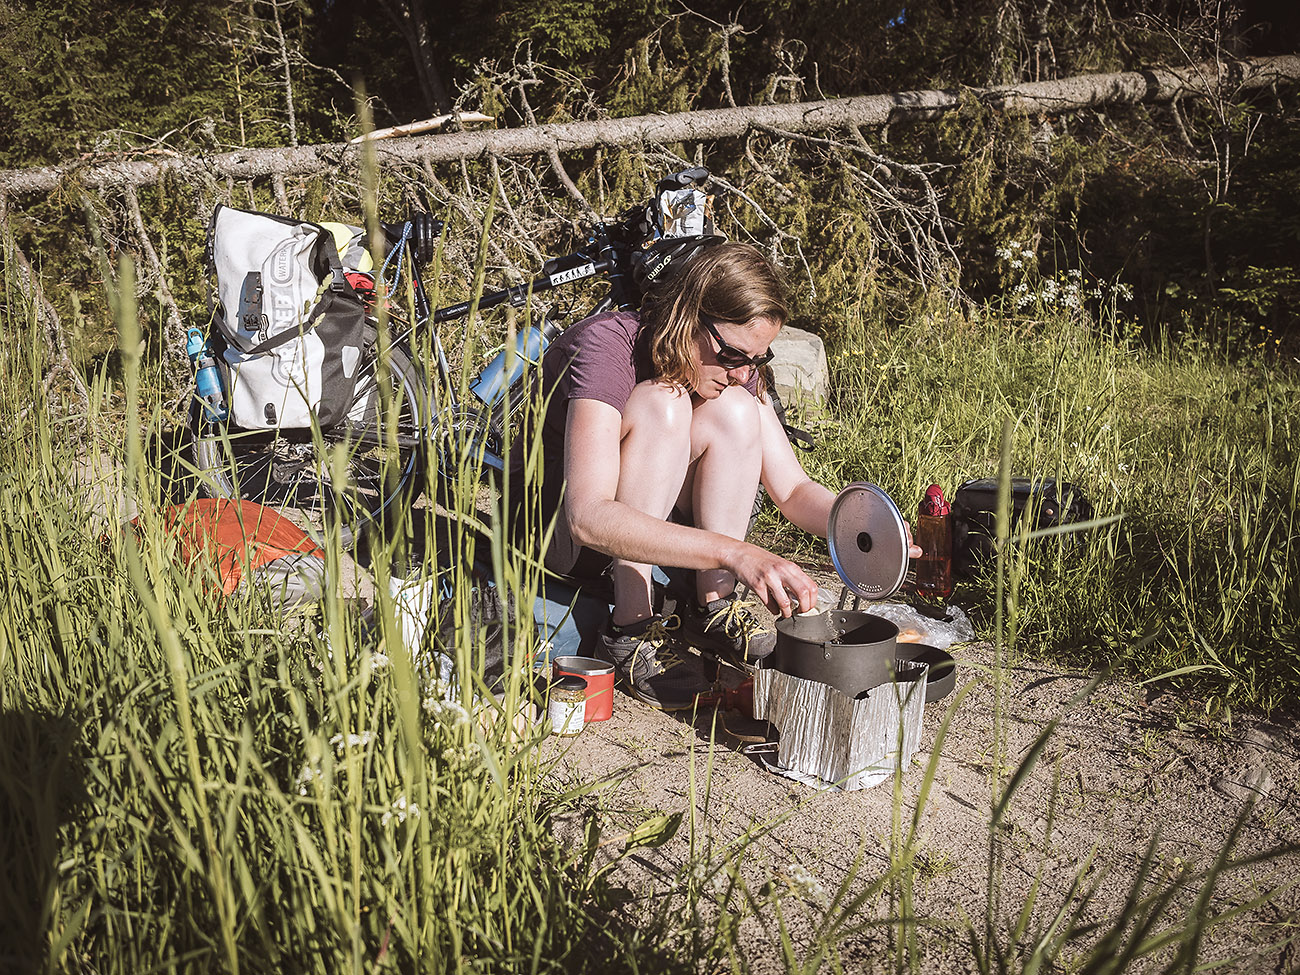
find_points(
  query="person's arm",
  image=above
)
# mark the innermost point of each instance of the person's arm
(598, 521)
(799, 498)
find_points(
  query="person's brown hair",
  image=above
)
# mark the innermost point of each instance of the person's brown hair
(728, 282)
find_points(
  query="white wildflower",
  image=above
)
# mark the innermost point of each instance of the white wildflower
(1017, 263)
(342, 744)
(379, 661)
(305, 777)
(804, 885)
(1075, 273)
(401, 809)
(445, 711)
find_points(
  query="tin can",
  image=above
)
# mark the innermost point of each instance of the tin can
(598, 676)
(566, 706)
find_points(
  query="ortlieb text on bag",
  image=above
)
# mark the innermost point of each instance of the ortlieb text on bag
(292, 325)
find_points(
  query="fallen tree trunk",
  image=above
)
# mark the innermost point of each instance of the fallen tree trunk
(1044, 97)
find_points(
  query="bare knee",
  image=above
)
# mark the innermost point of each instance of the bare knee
(660, 408)
(732, 419)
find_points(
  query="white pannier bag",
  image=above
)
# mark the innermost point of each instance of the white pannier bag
(293, 327)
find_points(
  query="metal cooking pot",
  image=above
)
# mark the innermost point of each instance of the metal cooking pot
(848, 649)
(854, 651)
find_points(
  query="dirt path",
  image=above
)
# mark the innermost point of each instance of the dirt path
(1119, 773)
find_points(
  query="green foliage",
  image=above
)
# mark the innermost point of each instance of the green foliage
(1197, 450)
(78, 72)
(92, 77)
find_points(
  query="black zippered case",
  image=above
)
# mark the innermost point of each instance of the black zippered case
(1036, 503)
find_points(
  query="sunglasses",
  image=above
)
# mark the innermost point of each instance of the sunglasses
(729, 357)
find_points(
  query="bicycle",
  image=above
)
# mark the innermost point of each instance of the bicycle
(367, 467)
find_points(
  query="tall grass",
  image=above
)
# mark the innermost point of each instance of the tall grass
(1199, 453)
(192, 783)
(197, 783)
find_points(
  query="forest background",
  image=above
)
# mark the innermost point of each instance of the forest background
(1191, 204)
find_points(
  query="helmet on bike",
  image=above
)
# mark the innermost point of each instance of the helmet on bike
(666, 258)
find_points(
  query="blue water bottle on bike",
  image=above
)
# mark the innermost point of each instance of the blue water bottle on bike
(207, 377)
(494, 381)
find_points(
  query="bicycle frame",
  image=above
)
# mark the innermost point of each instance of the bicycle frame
(604, 256)
(286, 464)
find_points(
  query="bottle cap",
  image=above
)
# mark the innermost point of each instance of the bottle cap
(933, 503)
(868, 541)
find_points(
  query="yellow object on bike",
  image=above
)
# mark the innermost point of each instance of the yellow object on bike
(348, 241)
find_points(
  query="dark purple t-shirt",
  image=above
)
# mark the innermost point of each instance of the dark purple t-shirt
(598, 358)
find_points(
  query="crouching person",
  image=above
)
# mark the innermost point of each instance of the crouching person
(656, 434)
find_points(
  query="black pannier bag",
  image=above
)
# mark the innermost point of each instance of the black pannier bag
(975, 513)
(292, 326)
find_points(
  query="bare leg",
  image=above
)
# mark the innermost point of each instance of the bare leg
(654, 452)
(726, 463)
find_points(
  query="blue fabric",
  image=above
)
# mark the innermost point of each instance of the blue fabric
(569, 618)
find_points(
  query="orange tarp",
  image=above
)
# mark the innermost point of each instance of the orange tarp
(240, 536)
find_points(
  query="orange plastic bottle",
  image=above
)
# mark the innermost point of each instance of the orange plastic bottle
(934, 536)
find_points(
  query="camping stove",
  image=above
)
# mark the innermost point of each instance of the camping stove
(850, 650)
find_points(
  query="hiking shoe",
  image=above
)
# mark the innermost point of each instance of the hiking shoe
(652, 665)
(729, 628)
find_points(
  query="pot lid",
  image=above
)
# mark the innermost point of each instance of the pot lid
(868, 541)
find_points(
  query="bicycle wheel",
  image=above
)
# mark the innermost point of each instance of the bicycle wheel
(360, 471)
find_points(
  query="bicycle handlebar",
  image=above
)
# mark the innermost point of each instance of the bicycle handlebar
(607, 252)
(520, 292)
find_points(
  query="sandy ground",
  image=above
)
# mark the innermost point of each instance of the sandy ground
(1124, 773)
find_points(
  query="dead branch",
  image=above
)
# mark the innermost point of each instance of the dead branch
(56, 343)
(173, 356)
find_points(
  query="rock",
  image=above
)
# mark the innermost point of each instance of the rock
(1250, 783)
(1259, 738)
(800, 367)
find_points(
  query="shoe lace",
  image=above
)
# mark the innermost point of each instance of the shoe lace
(657, 643)
(738, 620)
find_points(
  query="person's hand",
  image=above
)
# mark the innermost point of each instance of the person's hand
(780, 584)
(914, 551)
